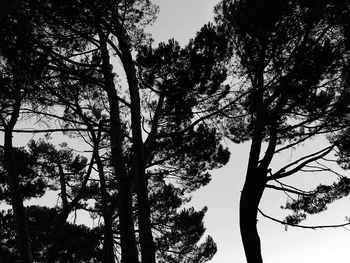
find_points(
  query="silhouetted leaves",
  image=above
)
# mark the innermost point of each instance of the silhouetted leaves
(317, 200)
(32, 184)
(77, 243)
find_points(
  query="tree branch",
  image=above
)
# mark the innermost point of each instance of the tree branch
(308, 159)
(287, 190)
(45, 130)
(302, 226)
(153, 133)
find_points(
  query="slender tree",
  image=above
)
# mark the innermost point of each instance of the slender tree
(287, 56)
(18, 75)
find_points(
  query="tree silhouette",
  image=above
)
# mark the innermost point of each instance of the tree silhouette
(76, 243)
(287, 59)
(20, 68)
(80, 95)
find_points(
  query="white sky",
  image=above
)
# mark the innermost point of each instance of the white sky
(181, 19)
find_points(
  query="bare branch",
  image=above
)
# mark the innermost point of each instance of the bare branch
(155, 123)
(287, 190)
(308, 159)
(45, 130)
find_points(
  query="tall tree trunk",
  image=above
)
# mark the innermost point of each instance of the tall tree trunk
(108, 246)
(250, 198)
(127, 232)
(251, 195)
(22, 233)
(143, 207)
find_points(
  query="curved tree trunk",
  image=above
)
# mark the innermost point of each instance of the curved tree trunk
(22, 233)
(251, 195)
(250, 198)
(254, 187)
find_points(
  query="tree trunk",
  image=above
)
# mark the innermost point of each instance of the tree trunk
(251, 195)
(249, 203)
(22, 233)
(108, 247)
(143, 208)
(127, 232)
(145, 229)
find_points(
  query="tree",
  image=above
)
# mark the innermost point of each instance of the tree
(182, 88)
(42, 167)
(130, 174)
(76, 243)
(174, 146)
(287, 56)
(108, 18)
(66, 172)
(177, 233)
(18, 75)
(76, 54)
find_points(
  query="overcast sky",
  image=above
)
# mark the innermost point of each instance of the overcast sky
(181, 19)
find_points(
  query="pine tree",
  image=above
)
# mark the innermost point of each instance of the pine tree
(286, 63)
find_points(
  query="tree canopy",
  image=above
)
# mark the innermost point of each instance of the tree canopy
(139, 135)
(288, 60)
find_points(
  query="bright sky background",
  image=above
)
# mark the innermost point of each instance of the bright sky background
(181, 19)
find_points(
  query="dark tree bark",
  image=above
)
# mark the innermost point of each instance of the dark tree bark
(250, 198)
(20, 220)
(125, 208)
(143, 206)
(108, 246)
(256, 176)
(249, 203)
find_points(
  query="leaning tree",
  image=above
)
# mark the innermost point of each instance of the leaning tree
(286, 60)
